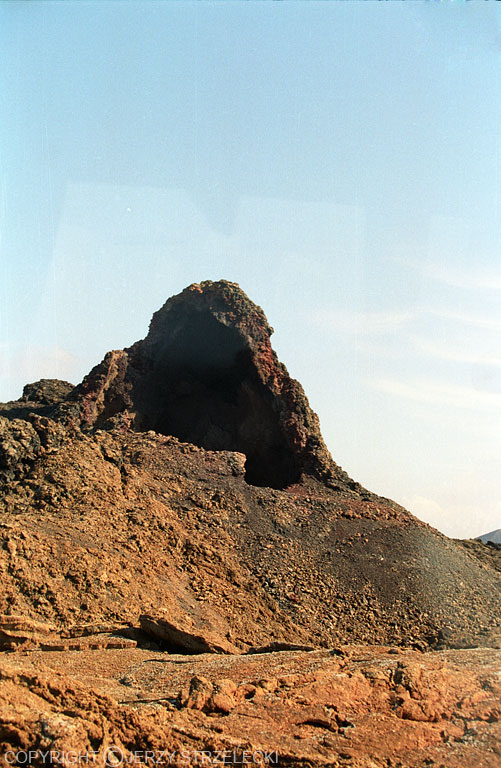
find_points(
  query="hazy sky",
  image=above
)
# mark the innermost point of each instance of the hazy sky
(341, 161)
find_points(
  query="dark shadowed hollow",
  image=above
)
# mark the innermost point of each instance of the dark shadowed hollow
(202, 387)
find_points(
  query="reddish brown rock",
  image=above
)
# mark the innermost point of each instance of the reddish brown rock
(188, 635)
(101, 528)
(57, 719)
(22, 632)
(367, 708)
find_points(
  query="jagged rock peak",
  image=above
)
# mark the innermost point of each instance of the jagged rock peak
(207, 374)
(224, 300)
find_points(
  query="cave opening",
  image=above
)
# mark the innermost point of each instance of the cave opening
(203, 388)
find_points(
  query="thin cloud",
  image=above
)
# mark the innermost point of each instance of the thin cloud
(478, 321)
(466, 279)
(426, 509)
(350, 321)
(446, 518)
(372, 323)
(438, 393)
(455, 354)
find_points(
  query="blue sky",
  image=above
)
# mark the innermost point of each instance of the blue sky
(341, 161)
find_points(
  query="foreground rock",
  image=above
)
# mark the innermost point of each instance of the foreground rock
(189, 635)
(362, 707)
(19, 632)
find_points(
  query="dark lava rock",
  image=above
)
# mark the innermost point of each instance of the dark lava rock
(41, 397)
(19, 444)
(207, 374)
(47, 391)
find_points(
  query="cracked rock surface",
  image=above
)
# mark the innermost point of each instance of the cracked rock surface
(359, 706)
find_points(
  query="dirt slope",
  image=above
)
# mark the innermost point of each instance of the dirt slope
(107, 526)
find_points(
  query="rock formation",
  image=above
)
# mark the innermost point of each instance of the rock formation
(360, 707)
(181, 502)
(207, 374)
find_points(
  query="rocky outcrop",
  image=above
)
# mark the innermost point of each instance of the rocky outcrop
(19, 445)
(187, 635)
(183, 490)
(46, 391)
(21, 632)
(361, 707)
(42, 398)
(206, 373)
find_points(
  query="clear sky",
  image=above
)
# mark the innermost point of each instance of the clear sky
(340, 160)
